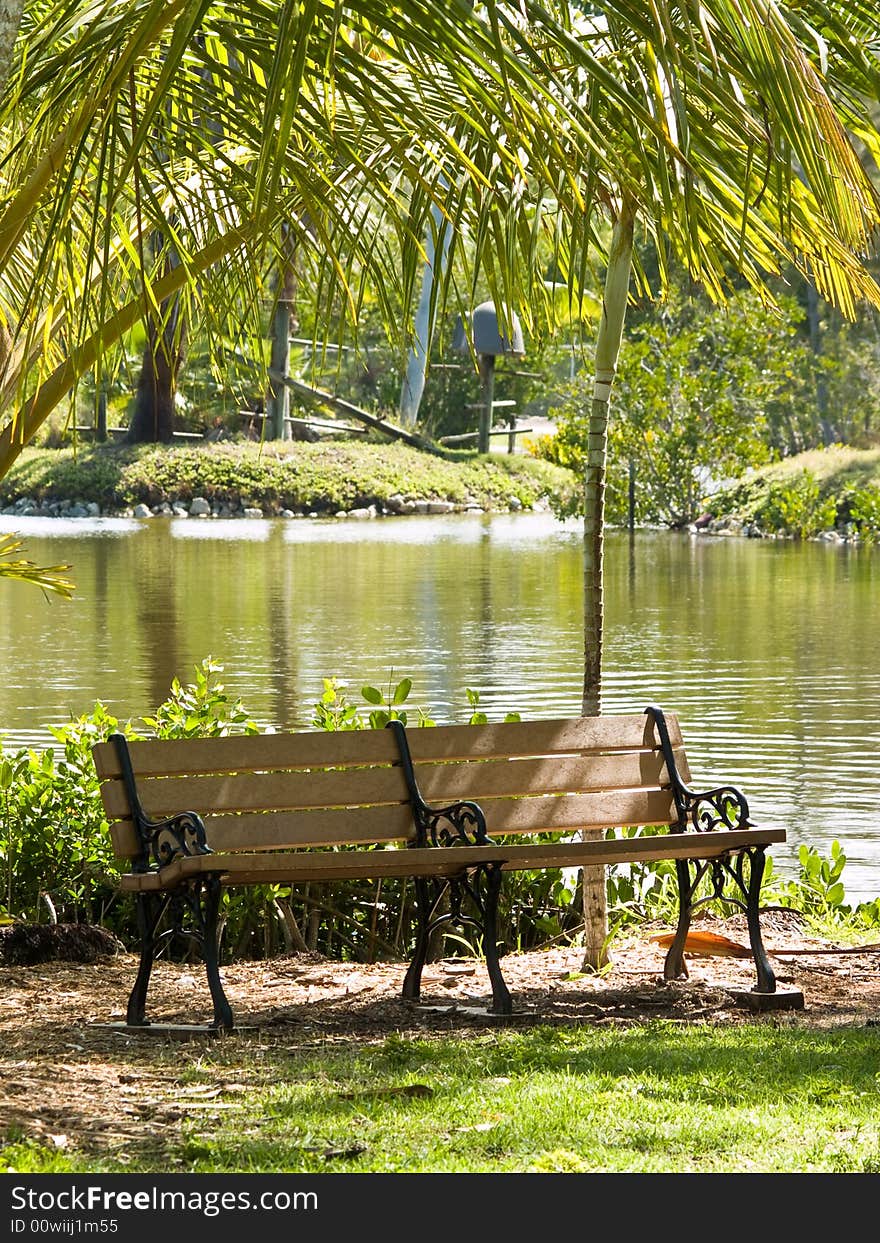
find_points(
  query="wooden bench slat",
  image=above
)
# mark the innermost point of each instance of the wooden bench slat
(577, 735)
(260, 792)
(439, 784)
(320, 749)
(338, 826)
(440, 861)
(295, 829)
(250, 753)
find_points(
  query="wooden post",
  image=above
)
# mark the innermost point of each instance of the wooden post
(487, 393)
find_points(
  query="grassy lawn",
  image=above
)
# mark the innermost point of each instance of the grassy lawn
(657, 1097)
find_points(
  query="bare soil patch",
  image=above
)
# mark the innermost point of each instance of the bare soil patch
(68, 1078)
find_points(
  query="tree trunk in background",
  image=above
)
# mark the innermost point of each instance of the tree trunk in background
(423, 327)
(608, 341)
(153, 417)
(829, 435)
(10, 20)
(278, 404)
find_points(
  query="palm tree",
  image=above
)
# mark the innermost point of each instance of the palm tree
(367, 118)
(752, 163)
(336, 121)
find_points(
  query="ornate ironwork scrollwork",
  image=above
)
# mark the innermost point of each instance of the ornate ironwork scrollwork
(725, 808)
(161, 841)
(461, 824)
(465, 824)
(179, 836)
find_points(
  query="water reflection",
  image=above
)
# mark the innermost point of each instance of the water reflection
(767, 651)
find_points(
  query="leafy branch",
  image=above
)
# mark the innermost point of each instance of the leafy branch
(48, 577)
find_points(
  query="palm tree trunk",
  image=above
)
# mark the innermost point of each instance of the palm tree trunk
(152, 420)
(10, 20)
(608, 341)
(417, 364)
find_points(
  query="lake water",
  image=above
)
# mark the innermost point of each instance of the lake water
(766, 650)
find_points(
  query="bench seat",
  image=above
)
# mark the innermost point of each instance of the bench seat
(275, 869)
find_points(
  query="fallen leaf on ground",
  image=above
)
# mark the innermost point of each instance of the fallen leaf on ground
(409, 1089)
(706, 945)
(355, 1150)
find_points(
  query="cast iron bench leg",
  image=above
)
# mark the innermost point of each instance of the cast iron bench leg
(412, 983)
(149, 908)
(196, 903)
(750, 888)
(211, 953)
(757, 862)
(674, 967)
(483, 891)
(501, 1000)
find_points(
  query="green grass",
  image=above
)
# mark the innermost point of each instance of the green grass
(761, 1096)
(299, 476)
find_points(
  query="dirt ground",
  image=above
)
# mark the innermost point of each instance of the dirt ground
(70, 1078)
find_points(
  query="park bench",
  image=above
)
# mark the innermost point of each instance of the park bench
(453, 807)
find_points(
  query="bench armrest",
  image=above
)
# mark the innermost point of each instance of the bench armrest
(161, 841)
(707, 810)
(174, 838)
(459, 824)
(725, 807)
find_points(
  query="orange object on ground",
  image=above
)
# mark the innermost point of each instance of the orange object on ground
(706, 945)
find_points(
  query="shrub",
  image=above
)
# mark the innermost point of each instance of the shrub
(797, 508)
(864, 512)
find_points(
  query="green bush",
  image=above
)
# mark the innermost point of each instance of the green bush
(797, 508)
(55, 850)
(864, 512)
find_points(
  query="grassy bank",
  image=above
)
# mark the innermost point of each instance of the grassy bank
(654, 1097)
(301, 477)
(825, 489)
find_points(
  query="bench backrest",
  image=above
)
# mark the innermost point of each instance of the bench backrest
(277, 791)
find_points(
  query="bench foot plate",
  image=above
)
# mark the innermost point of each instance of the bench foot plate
(178, 1031)
(758, 1003)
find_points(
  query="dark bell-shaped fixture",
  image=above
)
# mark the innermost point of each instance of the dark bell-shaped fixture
(487, 333)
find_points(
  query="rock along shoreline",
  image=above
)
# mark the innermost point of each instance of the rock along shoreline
(201, 508)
